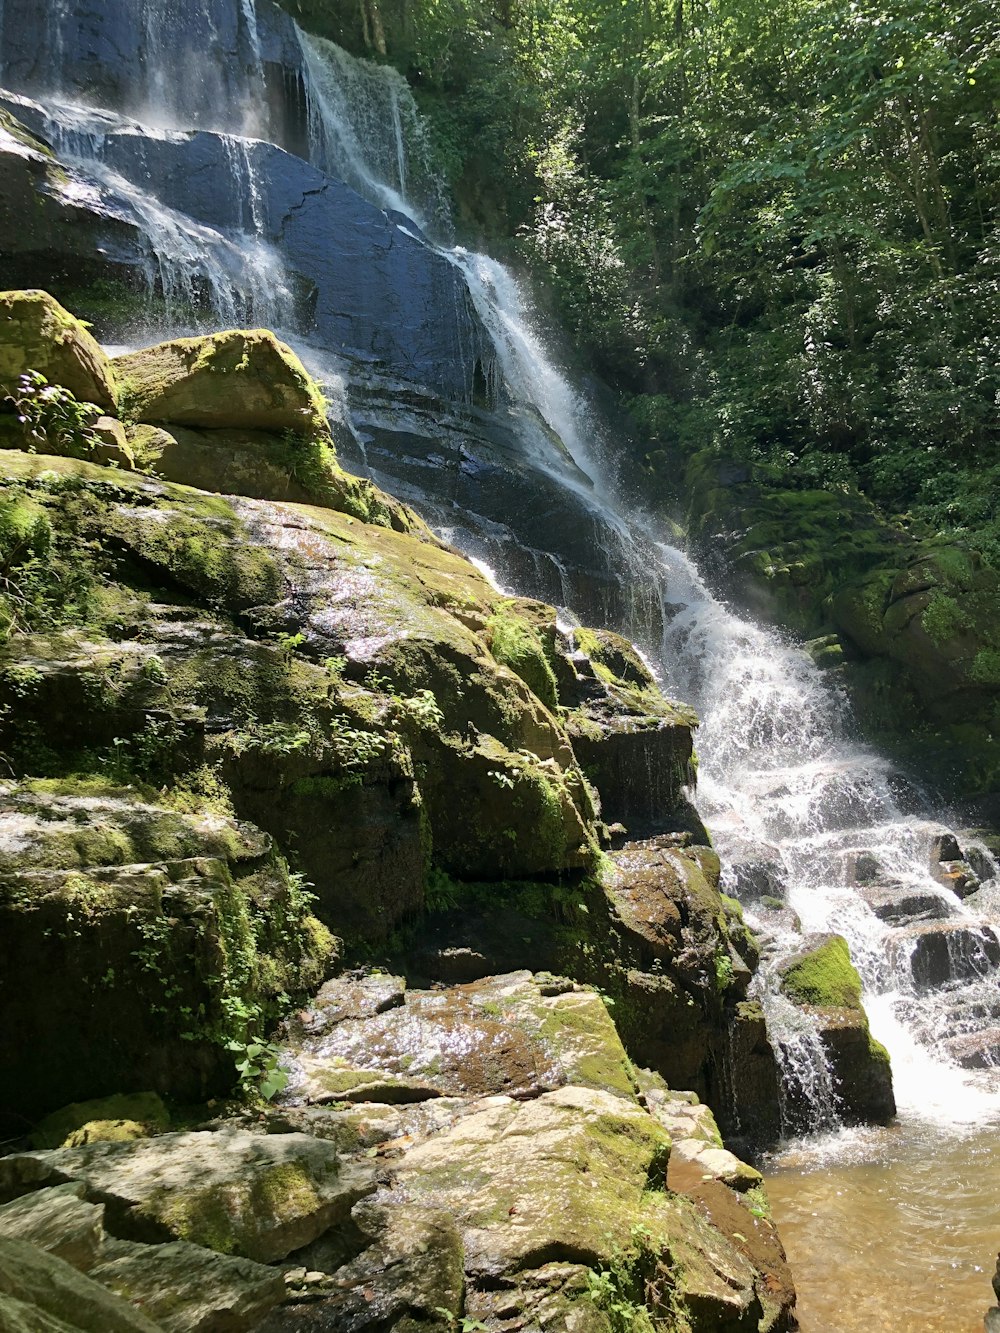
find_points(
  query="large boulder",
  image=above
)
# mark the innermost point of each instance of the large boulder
(41, 1293)
(36, 333)
(499, 1035)
(243, 379)
(259, 1196)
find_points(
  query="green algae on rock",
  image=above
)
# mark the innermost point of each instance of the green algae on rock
(179, 933)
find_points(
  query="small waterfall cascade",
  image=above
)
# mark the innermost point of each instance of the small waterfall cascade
(365, 129)
(794, 803)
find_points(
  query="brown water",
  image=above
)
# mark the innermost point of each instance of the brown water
(891, 1229)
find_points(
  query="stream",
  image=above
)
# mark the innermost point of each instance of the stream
(886, 1228)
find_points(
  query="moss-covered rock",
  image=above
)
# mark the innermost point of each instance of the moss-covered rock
(635, 745)
(266, 465)
(257, 1196)
(36, 333)
(821, 978)
(335, 673)
(178, 933)
(245, 379)
(500, 1035)
(123, 1116)
(823, 975)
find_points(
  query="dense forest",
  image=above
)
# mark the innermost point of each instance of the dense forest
(770, 227)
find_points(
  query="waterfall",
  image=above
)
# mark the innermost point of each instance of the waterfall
(780, 769)
(784, 785)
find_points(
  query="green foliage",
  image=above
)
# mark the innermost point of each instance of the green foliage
(52, 417)
(257, 1066)
(773, 231)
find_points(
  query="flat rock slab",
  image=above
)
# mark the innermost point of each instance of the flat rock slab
(187, 1289)
(253, 1195)
(59, 1221)
(502, 1035)
(40, 1293)
(558, 1178)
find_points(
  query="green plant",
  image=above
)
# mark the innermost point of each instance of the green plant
(259, 1071)
(52, 416)
(441, 893)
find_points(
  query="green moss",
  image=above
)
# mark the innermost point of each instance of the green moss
(825, 976)
(944, 619)
(985, 668)
(877, 1051)
(123, 1116)
(515, 644)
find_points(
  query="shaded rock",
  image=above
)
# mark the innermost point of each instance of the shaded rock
(899, 903)
(184, 1288)
(36, 333)
(744, 1220)
(410, 1274)
(713, 1282)
(264, 465)
(158, 926)
(944, 847)
(861, 1069)
(144, 1112)
(951, 951)
(111, 443)
(243, 378)
(259, 1196)
(59, 1221)
(40, 1293)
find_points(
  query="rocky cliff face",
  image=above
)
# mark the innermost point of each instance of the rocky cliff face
(198, 689)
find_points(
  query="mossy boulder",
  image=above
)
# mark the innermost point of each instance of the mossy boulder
(500, 1035)
(265, 465)
(36, 333)
(124, 1116)
(658, 939)
(821, 978)
(823, 975)
(178, 933)
(236, 1193)
(243, 379)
